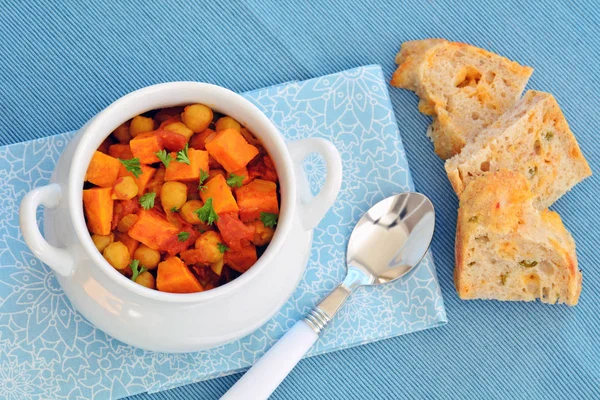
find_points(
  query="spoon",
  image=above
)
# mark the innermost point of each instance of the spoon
(388, 241)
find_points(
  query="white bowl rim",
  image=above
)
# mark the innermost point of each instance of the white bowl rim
(167, 95)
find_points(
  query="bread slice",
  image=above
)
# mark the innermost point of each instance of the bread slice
(532, 138)
(463, 87)
(506, 249)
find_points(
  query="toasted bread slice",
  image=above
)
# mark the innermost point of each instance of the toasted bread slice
(532, 138)
(506, 249)
(463, 87)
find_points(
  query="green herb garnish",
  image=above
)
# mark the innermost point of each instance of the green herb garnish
(203, 178)
(147, 200)
(268, 219)
(528, 264)
(135, 269)
(222, 247)
(183, 236)
(182, 155)
(133, 166)
(164, 157)
(235, 180)
(207, 213)
(548, 135)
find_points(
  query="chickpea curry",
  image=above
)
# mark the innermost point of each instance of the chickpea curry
(180, 200)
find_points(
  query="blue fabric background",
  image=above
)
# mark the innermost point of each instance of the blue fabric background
(61, 62)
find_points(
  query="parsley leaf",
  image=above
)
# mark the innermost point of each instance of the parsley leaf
(147, 200)
(183, 236)
(222, 247)
(182, 155)
(235, 180)
(164, 157)
(135, 268)
(207, 213)
(268, 219)
(133, 166)
(203, 178)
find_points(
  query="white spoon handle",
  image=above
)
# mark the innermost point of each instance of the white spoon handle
(264, 377)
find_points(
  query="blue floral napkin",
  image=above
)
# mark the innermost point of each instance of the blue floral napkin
(47, 350)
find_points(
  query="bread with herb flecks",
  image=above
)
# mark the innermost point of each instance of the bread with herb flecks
(532, 138)
(506, 249)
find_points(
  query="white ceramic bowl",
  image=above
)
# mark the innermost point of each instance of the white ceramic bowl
(164, 321)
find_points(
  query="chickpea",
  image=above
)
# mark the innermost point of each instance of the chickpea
(146, 279)
(117, 255)
(188, 211)
(173, 195)
(179, 127)
(127, 222)
(227, 123)
(122, 133)
(102, 241)
(208, 242)
(140, 124)
(147, 257)
(125, 188)
(262, 234)
(197, 117)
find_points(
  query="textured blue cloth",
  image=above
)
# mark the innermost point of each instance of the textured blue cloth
(61, 63)
(40, 331)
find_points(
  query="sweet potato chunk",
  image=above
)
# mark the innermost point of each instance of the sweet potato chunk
(153, 230)
(243, 172)
(194, 256)
(222, 198)
(178, 171)
(233, 231)
(122, 151)
(231, 150)
(98, 205)
(156, 232)
(144, 146)
(103, 170)
(175, 277)
(256, 197)
(241, 259)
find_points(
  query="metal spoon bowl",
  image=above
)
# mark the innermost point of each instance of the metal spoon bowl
(388, 242)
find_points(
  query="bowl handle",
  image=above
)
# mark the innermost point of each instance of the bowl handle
(48, 196)
(313, 209)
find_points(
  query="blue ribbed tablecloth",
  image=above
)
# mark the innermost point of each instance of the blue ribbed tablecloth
(61, 62)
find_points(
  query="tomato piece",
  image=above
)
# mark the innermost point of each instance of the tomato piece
(170, 140)
(234, 232)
